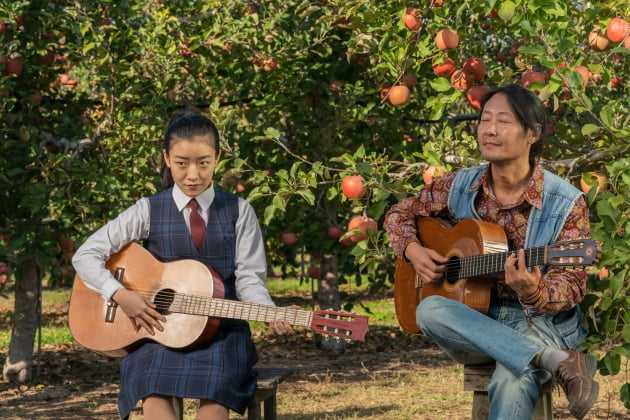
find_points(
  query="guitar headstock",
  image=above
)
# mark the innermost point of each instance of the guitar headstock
(577, 252)
(340, 324)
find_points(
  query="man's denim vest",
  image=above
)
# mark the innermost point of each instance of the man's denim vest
(544, 224)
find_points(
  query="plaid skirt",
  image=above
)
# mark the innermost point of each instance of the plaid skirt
(221, 372)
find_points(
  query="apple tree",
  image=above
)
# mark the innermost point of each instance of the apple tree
(306, 94)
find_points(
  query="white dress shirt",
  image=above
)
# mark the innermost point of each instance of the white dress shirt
(132, 225)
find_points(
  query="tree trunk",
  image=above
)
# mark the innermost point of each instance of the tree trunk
(18, 366)
(328, 298)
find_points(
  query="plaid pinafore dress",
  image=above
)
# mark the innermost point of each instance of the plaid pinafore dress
(223, 370)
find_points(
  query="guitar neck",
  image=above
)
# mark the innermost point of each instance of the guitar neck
(488, 264)
(225, 308)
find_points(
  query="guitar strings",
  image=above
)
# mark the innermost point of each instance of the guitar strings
(477, 265)
(200, 305)
(212, 306)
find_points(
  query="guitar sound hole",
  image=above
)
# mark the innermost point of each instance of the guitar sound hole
(452, 270)
(163, 300)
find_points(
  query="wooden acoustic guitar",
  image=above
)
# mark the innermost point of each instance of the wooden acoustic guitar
(476, 252)
(190, 295)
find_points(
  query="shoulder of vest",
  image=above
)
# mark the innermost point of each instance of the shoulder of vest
(556, 184)
(224, 195)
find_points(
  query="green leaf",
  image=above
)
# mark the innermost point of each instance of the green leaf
(589, 129)
(624, 394)
(532, 50)
(440, 84)
(506, 10)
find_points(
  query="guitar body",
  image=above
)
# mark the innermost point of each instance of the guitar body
(468, 238)
(87, 313)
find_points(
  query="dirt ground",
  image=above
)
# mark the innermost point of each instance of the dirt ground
(390, 376)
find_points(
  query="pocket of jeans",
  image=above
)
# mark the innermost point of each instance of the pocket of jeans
(569, 328)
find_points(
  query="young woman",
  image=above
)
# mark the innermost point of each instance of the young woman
(220, 374)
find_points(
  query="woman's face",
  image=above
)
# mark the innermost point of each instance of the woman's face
(192, 163)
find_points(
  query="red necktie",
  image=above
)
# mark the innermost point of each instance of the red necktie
(197, 225)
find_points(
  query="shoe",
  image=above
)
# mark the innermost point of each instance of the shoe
(575, 376)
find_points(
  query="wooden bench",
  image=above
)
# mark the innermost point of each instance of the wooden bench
(263, 404)
(477, 378)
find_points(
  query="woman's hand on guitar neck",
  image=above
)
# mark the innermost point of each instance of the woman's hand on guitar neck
(429, 265)
(140, 310)
(281, 327)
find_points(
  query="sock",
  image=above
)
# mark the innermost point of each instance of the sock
(549, 359)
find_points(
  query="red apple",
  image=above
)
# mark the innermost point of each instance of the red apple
(399, 95)
(459, 80)
(432, 172)
(530, 76)
(617, 29)
(443, 67)
(35, 96)
(240, 186)
(446, 39)
(409, 80)
(475, 69)
(364, 224)
(289, 238)
(270, 64)
(334, 85)
(597, 40)
(475, 94)
(412, 19)
(335, 232)
(314, 272)
(13, 66)
(590, 179)
(352, 186)
(584, 72)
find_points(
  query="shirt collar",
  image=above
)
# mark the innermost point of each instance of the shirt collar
(533, 192)
(204, 199)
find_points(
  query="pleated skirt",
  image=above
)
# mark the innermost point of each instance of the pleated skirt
(221, 372)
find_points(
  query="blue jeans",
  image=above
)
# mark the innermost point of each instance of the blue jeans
(507, 335)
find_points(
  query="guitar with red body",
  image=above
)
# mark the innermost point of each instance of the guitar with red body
(477, 251)
(190, 295)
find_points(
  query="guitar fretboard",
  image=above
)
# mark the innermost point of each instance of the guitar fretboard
(487, 264)
(224, 308)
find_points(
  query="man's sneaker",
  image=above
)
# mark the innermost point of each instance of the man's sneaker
(575, 376)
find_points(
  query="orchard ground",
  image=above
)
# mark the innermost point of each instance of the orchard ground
(392, 375)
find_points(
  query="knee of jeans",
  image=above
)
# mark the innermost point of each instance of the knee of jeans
(505, 384)
(429, 311)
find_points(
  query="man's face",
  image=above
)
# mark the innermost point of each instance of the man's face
(500, 134)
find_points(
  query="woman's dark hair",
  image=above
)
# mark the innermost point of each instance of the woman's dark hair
(528, 109)
(184, 125)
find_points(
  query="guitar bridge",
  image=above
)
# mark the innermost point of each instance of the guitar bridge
(110, 314)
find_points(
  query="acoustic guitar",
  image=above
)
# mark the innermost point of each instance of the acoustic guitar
(190, 296)
(476, 252)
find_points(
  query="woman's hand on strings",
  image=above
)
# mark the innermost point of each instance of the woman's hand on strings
(140, 310)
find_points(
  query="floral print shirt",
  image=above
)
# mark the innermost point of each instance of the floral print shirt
(563, 287)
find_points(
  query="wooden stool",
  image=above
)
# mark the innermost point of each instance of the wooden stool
(264, 400)
(477, 378)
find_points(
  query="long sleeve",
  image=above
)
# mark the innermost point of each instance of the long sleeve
(400, 220)
(89, 260)
(250, 261)
(565, 287)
